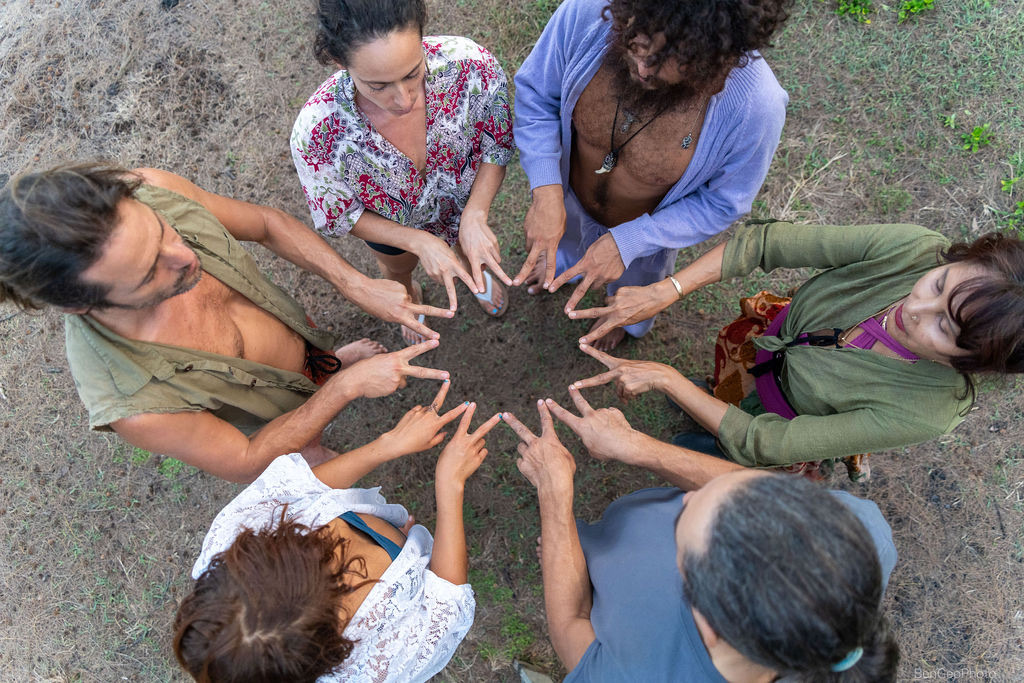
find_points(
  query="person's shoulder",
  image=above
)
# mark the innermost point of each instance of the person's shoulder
(754, 81)
(327, 101)
(467, 53)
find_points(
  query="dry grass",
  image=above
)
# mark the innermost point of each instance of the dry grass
(99, 537)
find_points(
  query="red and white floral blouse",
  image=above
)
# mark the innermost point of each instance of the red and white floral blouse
(346, 166)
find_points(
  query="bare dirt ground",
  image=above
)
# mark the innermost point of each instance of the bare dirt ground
(98, 537)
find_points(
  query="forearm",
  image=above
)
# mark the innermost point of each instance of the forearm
(294, 241)
(448, 559)
(680, 467)
(344, 470)
(290, 432)
(373, 227)
(485, 187)
(704, 271)
(707, 410)
(567, 589)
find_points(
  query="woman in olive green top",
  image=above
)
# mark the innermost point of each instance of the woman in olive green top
(925, 316)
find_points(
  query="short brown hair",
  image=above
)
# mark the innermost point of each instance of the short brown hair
(989, 309)
(269, 608)
(53, 226)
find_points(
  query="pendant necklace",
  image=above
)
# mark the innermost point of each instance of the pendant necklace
(612, 157)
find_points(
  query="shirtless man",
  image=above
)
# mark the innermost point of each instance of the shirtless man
(174, 338)
(642, 129)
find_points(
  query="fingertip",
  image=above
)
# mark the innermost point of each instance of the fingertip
(446, 380)
(571, 314)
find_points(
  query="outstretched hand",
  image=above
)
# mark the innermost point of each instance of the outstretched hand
(443, 266)
(627, 306)
(465, 452)
(544, 461)
(385, 373)
(390, 301)
(631, 377)
(601, 264)
(420, 428)
(605, 432)
(544, 226)
(480, 247)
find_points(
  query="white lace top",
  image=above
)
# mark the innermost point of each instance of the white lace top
(410, 622)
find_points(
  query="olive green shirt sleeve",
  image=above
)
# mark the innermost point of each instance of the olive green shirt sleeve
(787, 245)
(769, 439)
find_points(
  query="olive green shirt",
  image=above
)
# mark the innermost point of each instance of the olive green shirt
(118, 377)
(847, 400)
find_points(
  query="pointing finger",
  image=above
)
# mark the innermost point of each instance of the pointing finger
(442, 393)
(547, 425)
(433, 311)
(610, 361)
(549, 271)
(452, 414)
(531, 261)
(425, 373)
(410, 352)
(562, 414)
(467, 417)
(578, 294)
(482, 430)
(493, 262)
(581, 403)
(449, 286)
(596, 380)
(585, 313)
(566, 276)
(521, 430)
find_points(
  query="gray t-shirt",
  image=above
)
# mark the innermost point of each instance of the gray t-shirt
(643, 625)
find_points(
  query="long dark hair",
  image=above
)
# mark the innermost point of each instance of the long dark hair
(344, 25)
(269, 608)
(795, 587)
(54, 225)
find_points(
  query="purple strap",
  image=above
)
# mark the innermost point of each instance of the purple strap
(874, 332)
(767, 388)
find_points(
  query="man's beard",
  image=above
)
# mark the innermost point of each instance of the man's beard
(184, 283)
(643, 99)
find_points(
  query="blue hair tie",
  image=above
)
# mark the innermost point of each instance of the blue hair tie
(849, 660)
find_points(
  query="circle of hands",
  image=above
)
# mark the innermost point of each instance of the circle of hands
(544, 461)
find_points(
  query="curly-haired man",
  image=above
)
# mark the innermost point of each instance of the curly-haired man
(643, 126)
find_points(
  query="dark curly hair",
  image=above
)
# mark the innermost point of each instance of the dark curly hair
(269, 608)
(795, 587)
(54, 225)
(706, 37)
(989, 309)
(344, 25)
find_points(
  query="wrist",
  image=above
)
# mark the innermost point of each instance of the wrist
(547, 193)
(448, 491)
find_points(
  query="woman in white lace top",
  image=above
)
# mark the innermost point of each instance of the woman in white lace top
(303, 579)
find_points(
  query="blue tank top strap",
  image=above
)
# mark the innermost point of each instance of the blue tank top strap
(392, 548)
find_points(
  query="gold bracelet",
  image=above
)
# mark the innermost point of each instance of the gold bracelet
(675, 283)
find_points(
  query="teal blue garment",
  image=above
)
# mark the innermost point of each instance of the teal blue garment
(392, 548)
(643, 626)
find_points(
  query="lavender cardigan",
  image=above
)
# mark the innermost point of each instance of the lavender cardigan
(740, 133)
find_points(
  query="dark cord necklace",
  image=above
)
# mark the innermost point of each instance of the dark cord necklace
(612, 157)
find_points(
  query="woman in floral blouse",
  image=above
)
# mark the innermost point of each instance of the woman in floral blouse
(406, 146)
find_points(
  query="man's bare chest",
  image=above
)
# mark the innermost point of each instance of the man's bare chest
(650, 147)
(214, 318)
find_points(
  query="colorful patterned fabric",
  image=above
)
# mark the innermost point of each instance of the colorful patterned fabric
(734, 356)
(346, 166)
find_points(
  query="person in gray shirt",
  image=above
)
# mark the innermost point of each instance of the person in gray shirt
(750, 576)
